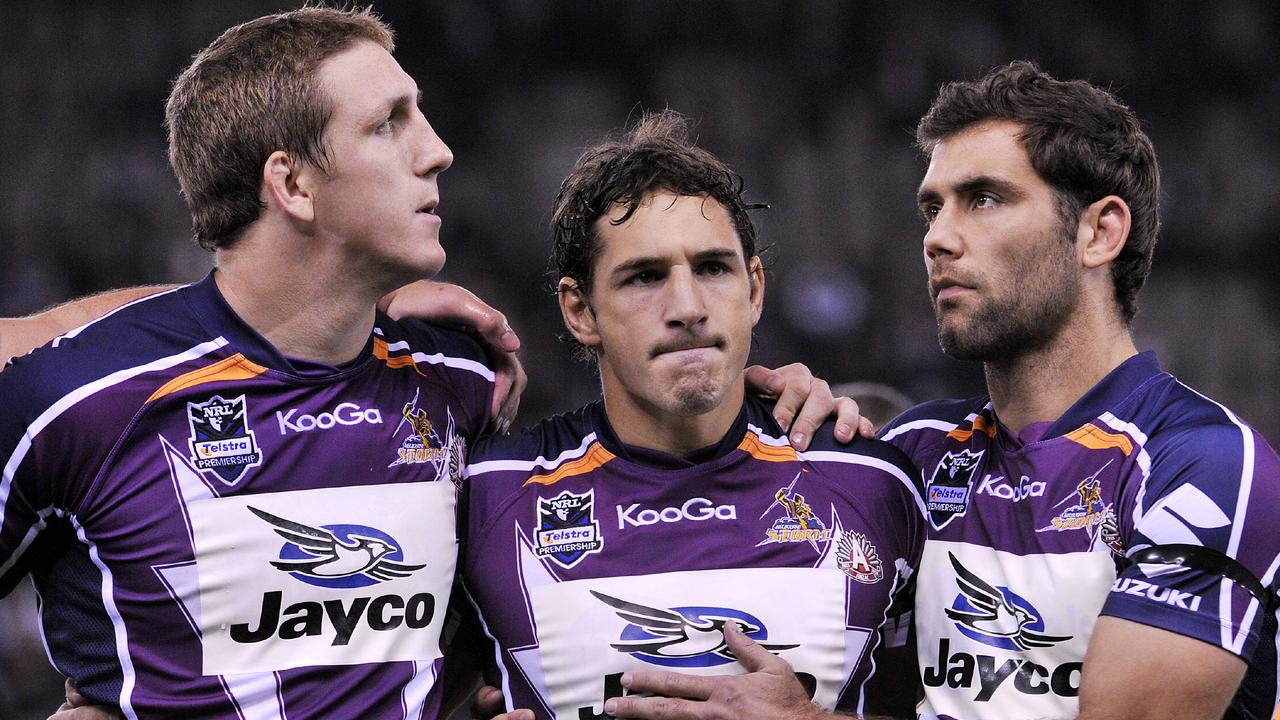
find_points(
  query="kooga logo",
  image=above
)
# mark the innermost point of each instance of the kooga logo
(347, 413)
(696, 509)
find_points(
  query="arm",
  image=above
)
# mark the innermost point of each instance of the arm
(452, 305)
(1139, 672)
(19, 336)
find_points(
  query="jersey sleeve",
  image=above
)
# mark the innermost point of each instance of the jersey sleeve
(1208, 501)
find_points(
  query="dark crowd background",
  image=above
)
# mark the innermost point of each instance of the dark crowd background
(812, 102)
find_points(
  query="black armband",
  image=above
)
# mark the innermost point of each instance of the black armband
(1209, 561)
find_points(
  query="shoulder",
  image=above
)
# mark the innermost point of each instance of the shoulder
(936, 415)
(537, 449)
(146, 336)
(432, 344)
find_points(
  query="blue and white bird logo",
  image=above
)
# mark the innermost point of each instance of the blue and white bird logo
(337, 556)
(683, 637)
(996, 616)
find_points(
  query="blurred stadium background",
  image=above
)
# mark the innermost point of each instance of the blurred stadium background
(813, 102)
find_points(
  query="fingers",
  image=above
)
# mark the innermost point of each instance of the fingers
(670, 684)
(654, 708)
(515, 715)
(750, 654)
(849, 418)
(509, 383)
(764, 382)
(88, 712)
(817, 407)
(488, 703)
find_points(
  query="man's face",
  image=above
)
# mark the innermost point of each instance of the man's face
(672, 306)
(1003, 270)
(380, 194)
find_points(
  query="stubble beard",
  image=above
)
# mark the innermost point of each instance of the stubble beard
(1039, 294)
(696, 393)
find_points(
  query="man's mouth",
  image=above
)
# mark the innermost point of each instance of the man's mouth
(687, 344)
(945, 287)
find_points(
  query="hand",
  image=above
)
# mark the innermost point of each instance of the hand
(489, 702)
(792, 386)
(77, 707)
(769, 691)
(452, 305)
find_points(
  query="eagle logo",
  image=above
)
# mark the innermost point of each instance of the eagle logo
(683, 636)
(996, 616)
(337, 556)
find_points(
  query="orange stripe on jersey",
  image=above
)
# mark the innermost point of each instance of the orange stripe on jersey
(595, 456)
(752, 446)
(980, 424)
(399, 361)
(1095, 438)
(236, 367)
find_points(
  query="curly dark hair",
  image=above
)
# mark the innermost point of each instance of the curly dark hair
(1081, 140)
(656, 154)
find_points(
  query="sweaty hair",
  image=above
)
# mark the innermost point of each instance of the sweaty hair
(252, 92)
(653, 156)
(1081, 140)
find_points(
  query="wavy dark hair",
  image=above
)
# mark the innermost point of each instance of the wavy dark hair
(1081, 140)
(655, 154)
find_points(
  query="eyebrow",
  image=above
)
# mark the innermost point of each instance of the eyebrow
(971, 185)
(399, 101)
(651, 261)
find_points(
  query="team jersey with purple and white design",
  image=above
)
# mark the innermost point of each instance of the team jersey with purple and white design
(216, 531)
(1030, 542)
(587, 558)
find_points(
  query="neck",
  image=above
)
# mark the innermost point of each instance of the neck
(1040, 386)
(643, 425)
(303, 301)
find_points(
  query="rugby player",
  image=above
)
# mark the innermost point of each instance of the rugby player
(632, 532)
(1100, 535)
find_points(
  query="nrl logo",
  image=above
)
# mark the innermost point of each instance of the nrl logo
(948, 492)
(221, 440)
(567, 528)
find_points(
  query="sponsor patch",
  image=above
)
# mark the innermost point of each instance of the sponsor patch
(330, 576)
(798, 522)
(343, 414)
(685, 636)
(947, 493)
(694, 509)
(567, 528)
(996, 616)
(221, 440)
(857, 558)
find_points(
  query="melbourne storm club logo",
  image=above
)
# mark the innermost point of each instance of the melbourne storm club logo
(683, 637)
(337, 556)
(426, 444)
(996, 616)
(948, 492)
(567, 528)
(221, 440)
(798, 522)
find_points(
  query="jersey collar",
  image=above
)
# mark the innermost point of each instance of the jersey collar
(1108, 393)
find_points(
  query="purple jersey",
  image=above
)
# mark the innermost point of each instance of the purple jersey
(216, 531)
(586, 558)
(1029, 543)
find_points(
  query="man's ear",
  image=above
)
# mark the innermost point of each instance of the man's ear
(287, 184)
(575, 308)
(755, 273)
(1102, 231)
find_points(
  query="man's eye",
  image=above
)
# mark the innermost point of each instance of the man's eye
(929, 213)
(644, 277)
(714, 269)
(387, 126)
(983, 200)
